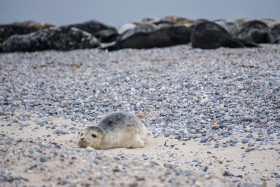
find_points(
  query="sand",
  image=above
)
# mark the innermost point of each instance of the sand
(245, 165)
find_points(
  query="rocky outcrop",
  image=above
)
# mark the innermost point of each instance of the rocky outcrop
(57, 38)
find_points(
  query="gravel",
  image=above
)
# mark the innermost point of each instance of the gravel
(184, 93)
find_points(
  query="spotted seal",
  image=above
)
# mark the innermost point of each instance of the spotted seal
(116, 130)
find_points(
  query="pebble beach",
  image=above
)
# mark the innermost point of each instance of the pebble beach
(214, 116)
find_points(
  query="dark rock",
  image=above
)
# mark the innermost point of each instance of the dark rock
(58, 38)
(250, 136)
(227, 174)
(146, 36)
(8, 30)
(251, 144)
(203, 140)
(177, 136)
(245, 140)
(60, 132)
(43, 159)
(275, 32)
(277, 175)
(204, 169)
(209, 35)
(145, 157)
(248, 149)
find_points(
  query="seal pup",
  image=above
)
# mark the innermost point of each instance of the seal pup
(116, 130)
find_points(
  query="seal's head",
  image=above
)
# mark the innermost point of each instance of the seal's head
(91, 136)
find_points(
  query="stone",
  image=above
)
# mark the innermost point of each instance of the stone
(215, 126)
(277, 175)
(248, 149)
(43, 159)
(245, 140)
(227, 174)
(60, 132)
(187, 172)
(89, 149)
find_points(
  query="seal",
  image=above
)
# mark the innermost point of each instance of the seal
(275, 32)
(116, 130)
(149, 35)
(209, 35)
(255, 31)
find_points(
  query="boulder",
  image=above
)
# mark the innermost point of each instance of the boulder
(57, 38)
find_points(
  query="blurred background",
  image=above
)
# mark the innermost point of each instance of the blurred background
(119, 12)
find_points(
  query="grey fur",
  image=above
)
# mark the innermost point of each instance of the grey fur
(119, 129)
(118, 121)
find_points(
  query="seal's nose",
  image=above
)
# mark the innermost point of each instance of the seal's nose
(82, 138)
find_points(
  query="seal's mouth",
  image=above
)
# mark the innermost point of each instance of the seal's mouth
(82, 144)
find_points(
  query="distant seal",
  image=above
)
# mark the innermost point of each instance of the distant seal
(275, 32)
(209, 35)
(148, 35)
(116, 130)
(254, 31)
(178, 20)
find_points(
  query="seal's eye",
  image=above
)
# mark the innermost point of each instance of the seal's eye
(82, 134)
(93, 135)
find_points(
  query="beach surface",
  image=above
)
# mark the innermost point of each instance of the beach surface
(214, 116)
